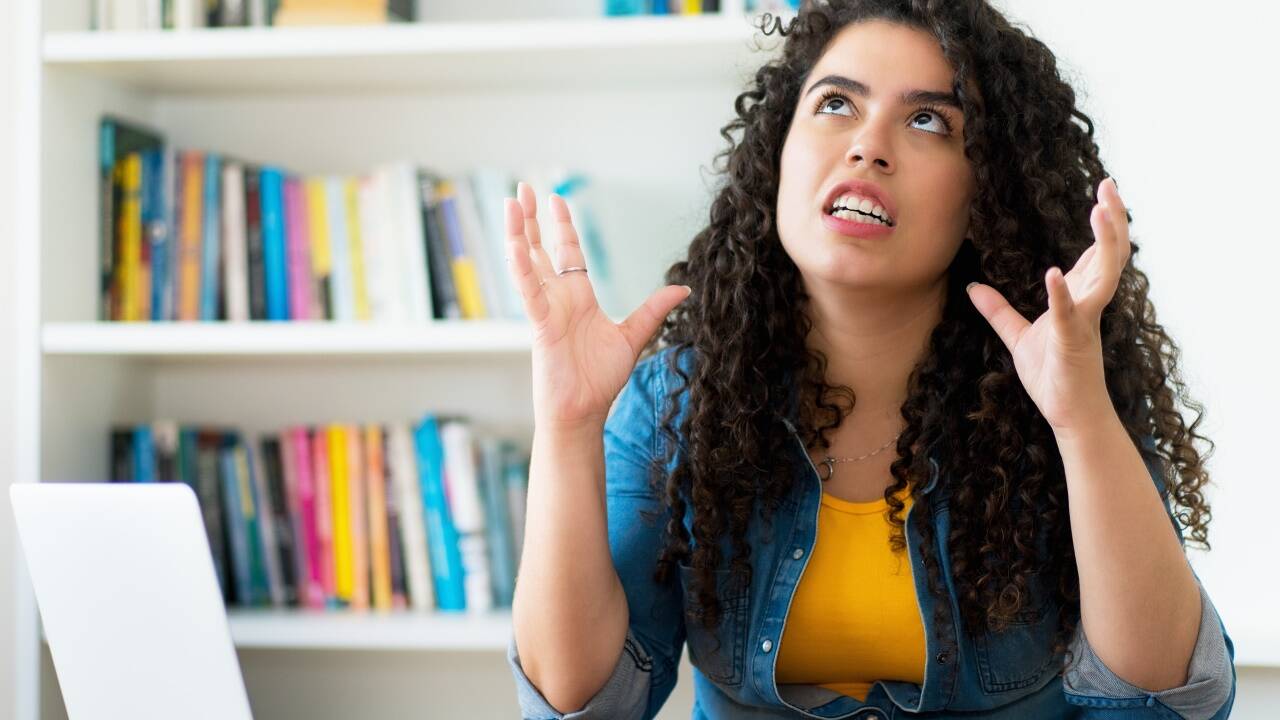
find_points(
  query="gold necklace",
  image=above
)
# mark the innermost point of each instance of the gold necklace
(830, 462)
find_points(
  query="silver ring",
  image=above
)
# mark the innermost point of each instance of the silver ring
(571, 269)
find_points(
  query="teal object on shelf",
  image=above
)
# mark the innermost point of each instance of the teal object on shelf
(625, 7)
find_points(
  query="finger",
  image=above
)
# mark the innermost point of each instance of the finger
(1107, 272)
(529, 206)
(1119, 221)
(1007, 322)
(643, 322)
(1060, 303)
(568, 249)
(520, 264)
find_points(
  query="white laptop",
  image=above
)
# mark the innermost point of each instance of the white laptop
(129, 601)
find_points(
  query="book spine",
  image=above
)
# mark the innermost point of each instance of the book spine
(324, 515)
(341, 512)
(273, 244)
(237, 520)
(359, 289)
(299, 253)
(312, 594)
(321, 260)
(359, 519)
(234, 245)
(253, 243)
(340, 251)
(442, 537)
(131, 237)
(379, 542)
(192, 204)
(405, 476)
(273, 467)
(462, 265)
(212, 239)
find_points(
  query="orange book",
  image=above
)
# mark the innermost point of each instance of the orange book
(379, 538)
(190, 235)
(338, 473)
(359, 522)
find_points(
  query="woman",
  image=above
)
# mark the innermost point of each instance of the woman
(883, 267)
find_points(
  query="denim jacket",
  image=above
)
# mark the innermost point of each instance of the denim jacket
(1004, 675)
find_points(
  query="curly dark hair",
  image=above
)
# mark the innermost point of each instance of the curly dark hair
(1036, 166)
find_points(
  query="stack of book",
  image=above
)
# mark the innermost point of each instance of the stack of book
(192, 14)
(427, 516)
(191, 235)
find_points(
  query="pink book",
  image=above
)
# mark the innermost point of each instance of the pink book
(359, 519)
(324, 513)
(310, 583)
(297, 250)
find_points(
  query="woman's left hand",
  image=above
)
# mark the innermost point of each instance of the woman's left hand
(1058, 358)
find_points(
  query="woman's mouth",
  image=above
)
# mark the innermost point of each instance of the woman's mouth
(854, 223)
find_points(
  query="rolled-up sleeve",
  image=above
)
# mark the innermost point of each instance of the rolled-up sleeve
(1209, 691)
(646, 670)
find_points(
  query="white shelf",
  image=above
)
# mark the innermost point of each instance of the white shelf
(371, 630)
(266, 339)
(590, 51)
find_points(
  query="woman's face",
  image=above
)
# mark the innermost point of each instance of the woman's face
(915, 156)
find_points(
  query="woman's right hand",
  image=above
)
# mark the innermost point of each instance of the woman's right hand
(581, 358)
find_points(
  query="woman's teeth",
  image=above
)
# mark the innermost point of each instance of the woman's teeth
(858, 217)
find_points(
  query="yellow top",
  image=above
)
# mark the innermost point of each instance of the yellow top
(855, 618)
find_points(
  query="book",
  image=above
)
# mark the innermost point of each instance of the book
(234, 243)
(273, 243)
(442, 537)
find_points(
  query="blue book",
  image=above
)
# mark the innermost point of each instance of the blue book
(442, 536)
(229, 478)
(497, 520)
(144, 455)
(212, 238)
(273, 243)
(344, 298)
(155, 228)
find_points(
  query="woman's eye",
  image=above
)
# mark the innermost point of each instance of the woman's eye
(838, 101)
(941, 122)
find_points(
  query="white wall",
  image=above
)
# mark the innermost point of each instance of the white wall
(1174, 91)
(1186, 120)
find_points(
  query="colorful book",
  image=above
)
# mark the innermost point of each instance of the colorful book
(442, 537)
(379, 539)
(298, 251)
(324, 515)
(355, 244)
(358, 519)
(273, 243)
(211, 239)
(317, 193)
(407, 484)
(190, 235)
(235, 279)
(340, 488)
(343, 298)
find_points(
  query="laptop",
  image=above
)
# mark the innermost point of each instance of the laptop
(129, 600)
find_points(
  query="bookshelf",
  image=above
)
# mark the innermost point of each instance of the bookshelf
(468, 86)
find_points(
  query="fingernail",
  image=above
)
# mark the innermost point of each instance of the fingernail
(969, 287)
(688, 290)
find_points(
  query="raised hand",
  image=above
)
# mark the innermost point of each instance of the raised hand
(581, 358)
(1058, 358)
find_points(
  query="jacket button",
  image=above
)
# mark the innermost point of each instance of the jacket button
(797, 553)
(767, 645)
(942, 656)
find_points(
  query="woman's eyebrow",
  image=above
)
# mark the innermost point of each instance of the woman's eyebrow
(909, 97)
